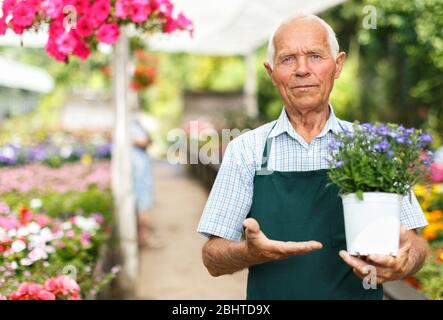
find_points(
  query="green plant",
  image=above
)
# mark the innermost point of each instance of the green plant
(378, 158)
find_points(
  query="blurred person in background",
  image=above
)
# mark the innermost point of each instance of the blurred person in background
(143, 182)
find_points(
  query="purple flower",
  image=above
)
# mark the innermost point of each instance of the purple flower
(425, 139)
(339, 164)
(409, 131)
(382, 130)
(383, 145)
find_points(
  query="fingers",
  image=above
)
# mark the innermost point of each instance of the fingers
(360, 267)
(295, 248)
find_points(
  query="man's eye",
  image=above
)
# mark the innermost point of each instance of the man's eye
(288, 59)
(315, 57)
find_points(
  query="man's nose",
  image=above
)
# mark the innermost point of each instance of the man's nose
(302, 69)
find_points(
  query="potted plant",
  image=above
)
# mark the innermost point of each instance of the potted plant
(375, 166)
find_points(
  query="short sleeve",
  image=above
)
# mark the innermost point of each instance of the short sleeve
(411, 213)
(230, 199)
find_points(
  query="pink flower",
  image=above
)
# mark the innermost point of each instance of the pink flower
(3, 25)
(81, 6)
(85, 238)
(66, 43)
(183, 22)
(85, 26)
(122, 8)
(170, 25)
(140, 10)
(70, 233)
(51, 284)
(32, 291)
(42, 220)
(98, 218)
(108, 33)
(9, 223)
(45, 295)
(82, 50)
(437, 172)
(23, 14)
(7, 6)
(165, 8)
(3, 297)
(115, 269)
(53, 8)
(100, 11)
(62, 285)
(4, 208)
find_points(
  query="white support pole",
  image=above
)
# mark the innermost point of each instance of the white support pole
(250, 88)
(121, 169)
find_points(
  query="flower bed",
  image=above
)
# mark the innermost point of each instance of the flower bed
(53, 154)
(430, 278)
(50, 241)
(38, 251)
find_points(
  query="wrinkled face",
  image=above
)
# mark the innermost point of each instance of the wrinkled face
(304, 67)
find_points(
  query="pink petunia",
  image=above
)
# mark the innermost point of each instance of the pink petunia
(108, 33)
(7, 6)
(122, 9)
(100, 11)
(140, 11)
(53, 8)
(170, 25)
(23, 15)
(3, 26)
(164, 7)
(82, 6)
(66, 43)
(85, 26)
(82, 50)
(45, 295)
(183, 22)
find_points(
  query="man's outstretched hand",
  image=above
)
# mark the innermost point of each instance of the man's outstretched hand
(264, 249)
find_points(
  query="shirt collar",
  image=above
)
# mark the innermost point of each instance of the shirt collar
(284, 125)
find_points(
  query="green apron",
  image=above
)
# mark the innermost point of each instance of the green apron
(299, 206)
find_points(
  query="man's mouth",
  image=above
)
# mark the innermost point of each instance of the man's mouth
(304, 86)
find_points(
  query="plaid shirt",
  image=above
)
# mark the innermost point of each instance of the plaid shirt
(230, 199)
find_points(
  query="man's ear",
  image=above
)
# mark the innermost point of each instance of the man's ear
(269, 71)
(339, 62)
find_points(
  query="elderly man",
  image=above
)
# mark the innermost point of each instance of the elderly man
(270, 209)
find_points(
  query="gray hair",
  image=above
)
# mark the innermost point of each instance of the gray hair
(332, 39)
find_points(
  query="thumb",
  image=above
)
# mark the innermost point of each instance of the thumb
(251, 226)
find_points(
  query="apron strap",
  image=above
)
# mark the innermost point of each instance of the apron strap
(268, 145)
(267, 150)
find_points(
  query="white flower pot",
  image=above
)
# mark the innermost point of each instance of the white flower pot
(373, 225)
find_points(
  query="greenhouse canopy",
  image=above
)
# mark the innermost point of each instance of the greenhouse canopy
(232, 27)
